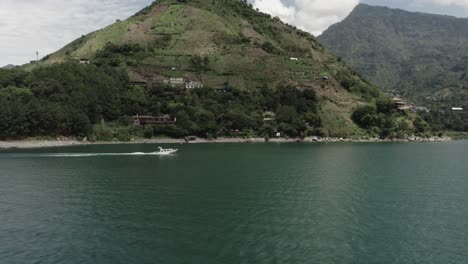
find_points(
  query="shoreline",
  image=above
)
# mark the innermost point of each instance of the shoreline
(36, 143)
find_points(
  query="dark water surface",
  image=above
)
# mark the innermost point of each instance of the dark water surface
(236, 203)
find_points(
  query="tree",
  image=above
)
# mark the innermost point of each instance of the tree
(385, 105)
(200, 63)
(363, 116)
(286, 114)
(421, 125)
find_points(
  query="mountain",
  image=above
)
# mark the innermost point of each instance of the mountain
(244, 71)
(420, 56)
(215, 42)
(9, 66)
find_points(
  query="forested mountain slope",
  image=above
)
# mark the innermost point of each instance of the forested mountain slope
(421, 56)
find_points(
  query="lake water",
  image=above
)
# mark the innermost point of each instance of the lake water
(236, 203)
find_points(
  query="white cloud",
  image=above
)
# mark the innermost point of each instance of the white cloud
(27, 26)
(462, 3)
(276, 8)
(313, 16)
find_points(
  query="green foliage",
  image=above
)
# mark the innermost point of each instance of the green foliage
(383, 119)
(200, 63)
(385, 106)
(72, 99)
(419, 56)
(269, 47)
(14, 77)
(163, 42)
(102, 133)
(115, 55)
(241, 56)
(421, 125)
(116, 132)
(364, 116)
(61, 100)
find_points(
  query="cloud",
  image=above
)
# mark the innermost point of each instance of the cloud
(313, 16)
(27, 26)
(462, 3)
(276, 8)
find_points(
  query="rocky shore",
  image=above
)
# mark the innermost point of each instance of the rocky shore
(27, 144)
(409, 139)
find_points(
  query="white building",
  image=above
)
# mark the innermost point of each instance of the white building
(175, 82)
(294, 59)
(193, 85)
(84, 61)
(457, 109)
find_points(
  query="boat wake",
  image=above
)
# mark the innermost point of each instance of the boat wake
(77, 155)
(81, 155)
(160, 152)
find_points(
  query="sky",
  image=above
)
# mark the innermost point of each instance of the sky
(27, 26)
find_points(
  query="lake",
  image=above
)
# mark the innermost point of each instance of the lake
(236, 203)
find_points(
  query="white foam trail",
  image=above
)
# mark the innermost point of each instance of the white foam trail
(77, 155)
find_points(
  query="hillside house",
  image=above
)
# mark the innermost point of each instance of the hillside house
(269, 116)
(402, 105)
(423, 109)
(153, 120)
(175, 82)
(294, 59)
(193, 85)
(457, 108)
(83, 61)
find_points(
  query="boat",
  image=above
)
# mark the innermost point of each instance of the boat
(162, 151)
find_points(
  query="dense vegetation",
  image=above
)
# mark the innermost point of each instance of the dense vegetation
(60, 100)
(241, 56)
(67, 99)
(419, 56)
(98, 102)
(383, 120)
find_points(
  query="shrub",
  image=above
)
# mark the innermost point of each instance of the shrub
(102, 133)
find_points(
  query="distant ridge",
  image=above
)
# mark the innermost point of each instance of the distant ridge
(388, 46)
(421, 56)
(9, 66)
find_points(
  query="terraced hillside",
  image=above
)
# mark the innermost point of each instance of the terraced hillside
(226, 46)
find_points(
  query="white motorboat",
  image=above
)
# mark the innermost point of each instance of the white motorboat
(162, 151)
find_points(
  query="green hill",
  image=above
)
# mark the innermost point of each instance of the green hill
(249, 64)
(420, 56)
(241, 46)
